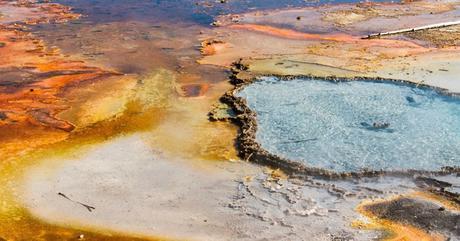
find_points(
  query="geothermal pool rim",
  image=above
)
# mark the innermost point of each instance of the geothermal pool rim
(250, 150)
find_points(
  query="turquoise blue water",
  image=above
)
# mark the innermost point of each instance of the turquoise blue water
(350, 126)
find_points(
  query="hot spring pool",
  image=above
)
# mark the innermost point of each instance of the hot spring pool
(349, 126)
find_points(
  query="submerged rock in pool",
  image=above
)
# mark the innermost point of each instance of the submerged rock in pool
(355, 125)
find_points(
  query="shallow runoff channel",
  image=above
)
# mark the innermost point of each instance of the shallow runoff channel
(351, 126)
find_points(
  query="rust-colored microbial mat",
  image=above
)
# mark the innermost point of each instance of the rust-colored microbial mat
(120, 120)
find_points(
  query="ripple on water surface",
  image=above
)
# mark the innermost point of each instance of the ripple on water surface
(348, 126)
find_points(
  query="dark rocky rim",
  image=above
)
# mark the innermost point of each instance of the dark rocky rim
(250, 150)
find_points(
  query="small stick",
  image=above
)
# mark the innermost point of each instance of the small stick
(90, 208)
(406, 30)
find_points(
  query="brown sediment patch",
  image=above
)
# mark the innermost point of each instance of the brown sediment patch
(411, 214)
(191, 85)
(438, 198)
(43, 117)
(210, 47)
(393, 230)
(193, 90)
(438, 191)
